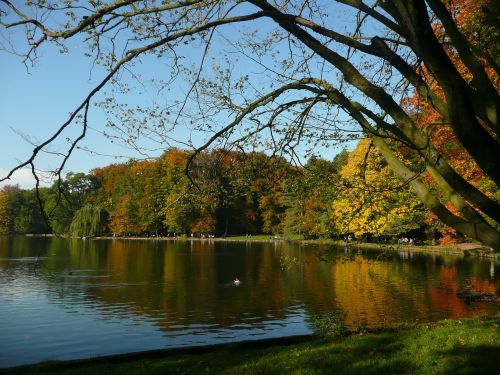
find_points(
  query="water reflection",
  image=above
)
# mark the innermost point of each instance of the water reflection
(116, 295)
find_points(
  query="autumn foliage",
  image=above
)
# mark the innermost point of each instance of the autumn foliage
(227, 193)
(474, 21)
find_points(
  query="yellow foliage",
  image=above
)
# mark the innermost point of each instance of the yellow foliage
(5, 219)
(372, 198)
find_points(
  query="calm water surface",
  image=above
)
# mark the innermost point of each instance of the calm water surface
(66, 299)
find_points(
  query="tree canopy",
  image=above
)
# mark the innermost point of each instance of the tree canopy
(320, 72)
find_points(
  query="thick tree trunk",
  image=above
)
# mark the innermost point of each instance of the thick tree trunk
(407, 131)
(471, 224)
(405, 124)
(457, 182)
(476, 140)
(482, 91)
(476, 229)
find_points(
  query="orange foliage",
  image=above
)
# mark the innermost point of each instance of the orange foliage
(442, 136)
(449, 235)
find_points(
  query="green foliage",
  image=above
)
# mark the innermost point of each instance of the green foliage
(8, 208)
(24, 211)
(329, 324)
(308, 194)
(89, 221)
(340, 160)
(233, 193)
(63, 199)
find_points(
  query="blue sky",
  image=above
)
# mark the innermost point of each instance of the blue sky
(35, 103)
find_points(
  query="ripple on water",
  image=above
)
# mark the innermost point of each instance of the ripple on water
(121, 298)
(31, 259)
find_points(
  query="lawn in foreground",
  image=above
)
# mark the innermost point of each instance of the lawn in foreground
(467, 346)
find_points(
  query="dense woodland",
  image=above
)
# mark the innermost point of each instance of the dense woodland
(229, 193)
(419, 79)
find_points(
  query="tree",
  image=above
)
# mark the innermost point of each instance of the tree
(10, 204)
(325, 69)
(65, 197)
(26, 213)
(308, 196)
(89, 221)
(322, 176)
(372, 200)
(20, 209)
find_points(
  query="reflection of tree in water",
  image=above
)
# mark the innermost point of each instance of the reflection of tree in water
(372, 287)
(450, 281)
(288, 261)
(179, 282)
(186, 282)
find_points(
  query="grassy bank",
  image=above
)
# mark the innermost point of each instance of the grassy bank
(467, 248)
(468, 346)
(460, 249)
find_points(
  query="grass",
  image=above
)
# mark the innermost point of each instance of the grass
(480, 251)
(468, 346)
(264, 237)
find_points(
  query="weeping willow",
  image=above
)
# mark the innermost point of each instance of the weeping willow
(89, 221)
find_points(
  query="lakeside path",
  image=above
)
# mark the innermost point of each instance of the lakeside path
(466, 346)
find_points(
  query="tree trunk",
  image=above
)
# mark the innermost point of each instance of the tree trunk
(471, 224)
(472, 135)
(476, 229)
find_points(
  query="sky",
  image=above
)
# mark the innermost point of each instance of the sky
(35, 101)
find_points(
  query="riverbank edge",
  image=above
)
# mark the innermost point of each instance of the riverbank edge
(475, 250)
(248, 354)
(160, 353)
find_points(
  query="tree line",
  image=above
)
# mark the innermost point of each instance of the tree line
(413, 73)
(228, 193)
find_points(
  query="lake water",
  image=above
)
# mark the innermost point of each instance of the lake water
(66, 299)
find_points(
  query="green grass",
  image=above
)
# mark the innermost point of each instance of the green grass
(481, 252)
(469, 346)
(264, 237)
(371, 245)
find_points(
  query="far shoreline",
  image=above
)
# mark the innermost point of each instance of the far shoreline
(463, 249)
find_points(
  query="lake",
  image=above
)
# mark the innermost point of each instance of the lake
(68, 298)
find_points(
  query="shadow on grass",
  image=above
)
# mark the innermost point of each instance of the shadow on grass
(367, 355)
(449, 347)
(481, 359)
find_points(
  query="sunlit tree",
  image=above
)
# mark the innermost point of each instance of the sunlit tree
(372, 200)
